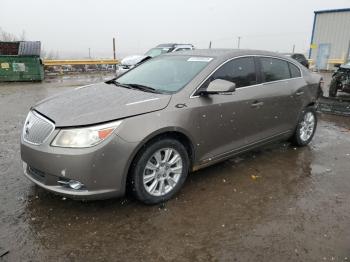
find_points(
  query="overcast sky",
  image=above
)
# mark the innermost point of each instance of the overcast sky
(72, 27)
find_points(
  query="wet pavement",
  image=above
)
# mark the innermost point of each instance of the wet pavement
(279, 203)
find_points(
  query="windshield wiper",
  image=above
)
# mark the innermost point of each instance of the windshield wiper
(122, 85)
(143, 88)
(135, 86)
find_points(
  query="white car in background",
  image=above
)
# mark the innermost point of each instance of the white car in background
(130, 62)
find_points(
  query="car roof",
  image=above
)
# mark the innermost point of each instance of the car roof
(225, 53)
(173, 45)
(293, 54)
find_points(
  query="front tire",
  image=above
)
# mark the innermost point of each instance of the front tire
(333, 88)
(159, 171)
(306, 127)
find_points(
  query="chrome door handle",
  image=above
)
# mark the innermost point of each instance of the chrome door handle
(299, 93)
(257, 104)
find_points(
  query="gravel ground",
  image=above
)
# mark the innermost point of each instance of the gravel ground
(275, 204)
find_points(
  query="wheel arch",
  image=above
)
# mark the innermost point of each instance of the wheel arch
(169, 132)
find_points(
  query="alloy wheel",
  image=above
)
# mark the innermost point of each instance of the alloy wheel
(307, 126)
(162, 171)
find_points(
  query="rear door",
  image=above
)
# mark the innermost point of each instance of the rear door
(280, 94)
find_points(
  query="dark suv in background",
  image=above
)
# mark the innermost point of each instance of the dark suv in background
(299, 57)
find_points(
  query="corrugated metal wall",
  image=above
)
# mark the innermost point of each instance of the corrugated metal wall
(332, 28)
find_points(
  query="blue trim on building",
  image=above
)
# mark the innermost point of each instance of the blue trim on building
(332, 11)
(312, 35)
(314, 25)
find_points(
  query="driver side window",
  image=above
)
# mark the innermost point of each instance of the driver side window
(240, 71)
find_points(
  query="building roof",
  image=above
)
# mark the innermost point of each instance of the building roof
(20, 48)
(332, 11)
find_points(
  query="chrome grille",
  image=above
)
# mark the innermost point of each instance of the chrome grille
(37, 128)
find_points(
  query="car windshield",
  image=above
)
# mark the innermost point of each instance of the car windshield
(157, 51)
(166, 74)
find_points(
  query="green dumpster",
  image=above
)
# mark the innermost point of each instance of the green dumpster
(20, 61)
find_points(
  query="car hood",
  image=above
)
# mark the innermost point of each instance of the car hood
(345, 66)
(132, 60)
(99, 103)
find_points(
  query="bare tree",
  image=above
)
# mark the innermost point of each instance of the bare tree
(23, 36)
(8, 37)
(51, 55)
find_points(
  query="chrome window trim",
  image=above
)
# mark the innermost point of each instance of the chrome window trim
(44, 119)
(243, 56)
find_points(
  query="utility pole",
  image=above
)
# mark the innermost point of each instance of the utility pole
(293, 48)
(114, 57)
(210, 45)
(239, 42)
(89, 53)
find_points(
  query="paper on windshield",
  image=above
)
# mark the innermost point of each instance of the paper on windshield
(200, 59)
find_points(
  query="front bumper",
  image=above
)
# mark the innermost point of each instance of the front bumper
(102, 168)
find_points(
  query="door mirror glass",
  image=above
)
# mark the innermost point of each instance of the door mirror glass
(219, 86)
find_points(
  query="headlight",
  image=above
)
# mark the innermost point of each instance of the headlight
(84, 137)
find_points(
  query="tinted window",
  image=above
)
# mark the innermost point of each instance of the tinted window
(294, 70)
(182, 49)
(157, 51)
(274, 69)
(240, 71)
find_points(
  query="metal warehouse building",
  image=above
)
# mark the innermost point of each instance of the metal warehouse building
(330, 40)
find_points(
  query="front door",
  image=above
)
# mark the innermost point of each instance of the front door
(228, 121)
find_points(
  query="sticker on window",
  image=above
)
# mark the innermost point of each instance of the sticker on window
(200, 59)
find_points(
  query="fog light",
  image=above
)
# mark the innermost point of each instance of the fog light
(76, 185)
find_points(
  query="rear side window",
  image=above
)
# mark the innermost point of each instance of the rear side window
(273, 69)
(240, 71)
(182, 49)
(294, 70)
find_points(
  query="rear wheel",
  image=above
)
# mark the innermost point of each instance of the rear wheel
(159, 171)
(306, 127)
(333, 88)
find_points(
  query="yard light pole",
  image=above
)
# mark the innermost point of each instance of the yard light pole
(239, 42)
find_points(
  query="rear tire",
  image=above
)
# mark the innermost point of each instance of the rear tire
(306, 127)
(159, 171)
(333, 88)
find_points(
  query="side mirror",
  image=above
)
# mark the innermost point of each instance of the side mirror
(337, 65)
(219, 86)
